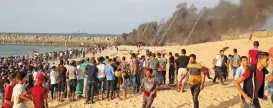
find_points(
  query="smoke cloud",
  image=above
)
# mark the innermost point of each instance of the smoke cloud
(225, 19)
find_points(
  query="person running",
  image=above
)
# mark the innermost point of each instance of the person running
(53, 81)
(8, 91)
(38, 92)
(72, 82)
(101, 76)
(219, 63)
(252, 53)
(110, 76)
(196, 78)
(183, 61)
(171, 68)
(18, 90)
(91, 71)
(240, 71)
(235, 62)
(61, 80)
(254, 80)
(149, 84)
(250, 38)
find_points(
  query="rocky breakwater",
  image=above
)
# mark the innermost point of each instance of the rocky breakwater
(55, 40)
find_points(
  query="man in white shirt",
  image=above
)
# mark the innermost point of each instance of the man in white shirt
(53, 81)
(18, 90)
(80, 79)
(218, 62)
(101, 76)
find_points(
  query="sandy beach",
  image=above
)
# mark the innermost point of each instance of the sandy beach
(213, 95)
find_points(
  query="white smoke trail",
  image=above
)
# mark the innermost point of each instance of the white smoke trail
(169, 27)
(145, 29)
(158, 31)
(193, 28)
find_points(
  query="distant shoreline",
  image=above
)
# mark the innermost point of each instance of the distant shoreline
(61, 34)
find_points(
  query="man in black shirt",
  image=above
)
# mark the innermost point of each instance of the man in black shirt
(171, 68)
(183, 61)
(91, 71)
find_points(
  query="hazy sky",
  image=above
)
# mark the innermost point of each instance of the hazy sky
(92, 16)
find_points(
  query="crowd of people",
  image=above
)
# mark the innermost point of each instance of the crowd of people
(104, 78)
(20, 72)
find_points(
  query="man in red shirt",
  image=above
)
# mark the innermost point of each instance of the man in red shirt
(38, 92)
(254, 80)
(8, 91)
(252, 53)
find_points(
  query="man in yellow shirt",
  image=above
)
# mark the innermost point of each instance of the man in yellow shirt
(196, 79)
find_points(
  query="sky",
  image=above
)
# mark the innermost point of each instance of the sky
(91, 16)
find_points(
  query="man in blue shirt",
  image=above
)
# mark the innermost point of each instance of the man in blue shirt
(240, 71)
(110, 76)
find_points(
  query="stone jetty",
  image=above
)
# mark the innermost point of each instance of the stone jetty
(55, 40)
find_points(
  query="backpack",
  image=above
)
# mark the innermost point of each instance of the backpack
(235, 61)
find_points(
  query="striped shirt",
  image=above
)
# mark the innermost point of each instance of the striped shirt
(195, 73)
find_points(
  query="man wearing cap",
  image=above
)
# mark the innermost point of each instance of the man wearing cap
(38, 92)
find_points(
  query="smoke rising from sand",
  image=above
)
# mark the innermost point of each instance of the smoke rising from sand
(224, 19)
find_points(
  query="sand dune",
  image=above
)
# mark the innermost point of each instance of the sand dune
(213, 95)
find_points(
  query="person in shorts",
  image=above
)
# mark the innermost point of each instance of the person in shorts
(183, 61)
(72, 82)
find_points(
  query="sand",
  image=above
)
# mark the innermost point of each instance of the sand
(213, 95)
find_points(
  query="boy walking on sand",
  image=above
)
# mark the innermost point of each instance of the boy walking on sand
(38, 92)
(149, 84)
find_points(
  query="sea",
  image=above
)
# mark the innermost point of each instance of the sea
(19, 50)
